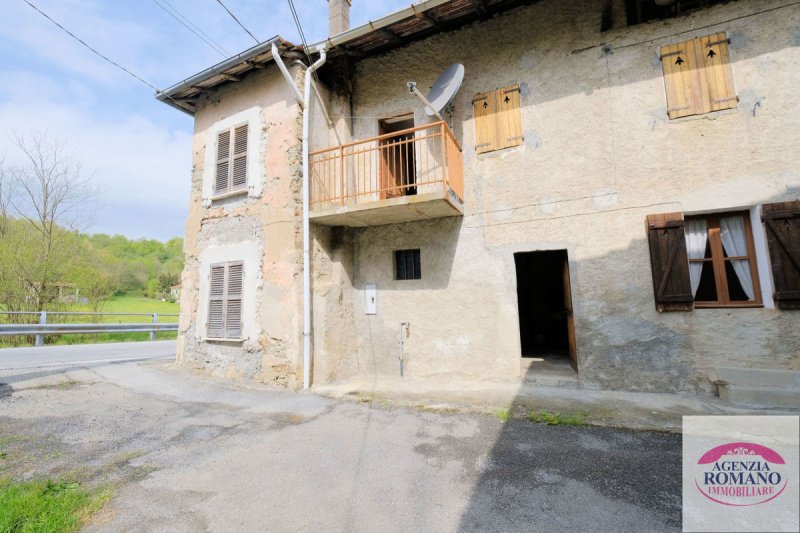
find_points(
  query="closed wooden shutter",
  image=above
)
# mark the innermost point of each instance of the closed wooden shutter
(223, 162)
(716, 55)
(669, 262)
(679, 63)
(782, 224)
(498, 119)
(239, 175)
(509, 123)
(698, 76)
(216, 305)
(233, 303)
(484, 106)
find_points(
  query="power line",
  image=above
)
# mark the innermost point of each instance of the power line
(189, 25)
(237, 21)
(98, 54)
(300, 30)
(45, 15)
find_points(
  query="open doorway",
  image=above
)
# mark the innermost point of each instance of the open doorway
(546, 324)
(398, 168)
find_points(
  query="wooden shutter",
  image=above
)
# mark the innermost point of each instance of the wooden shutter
(669, 262)
(484, 105)
(239, 175)
(498, 119)
(223, 162)
(509, 117)
(684, 95)
(698, 76)
(716, 57)
(782, 224)
(216, 305)
(233, 301)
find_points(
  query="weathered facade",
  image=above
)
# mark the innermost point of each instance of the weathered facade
(598, 154)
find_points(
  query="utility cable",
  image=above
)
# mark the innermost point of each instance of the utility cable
(105, 58)
(189, 25)
(238, 22)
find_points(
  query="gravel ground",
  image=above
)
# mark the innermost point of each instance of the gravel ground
(184, 452)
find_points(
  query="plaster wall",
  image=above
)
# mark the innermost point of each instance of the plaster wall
(599, 155)
(262, 227)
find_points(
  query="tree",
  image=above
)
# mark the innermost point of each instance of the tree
(46, 199)
(165, 282)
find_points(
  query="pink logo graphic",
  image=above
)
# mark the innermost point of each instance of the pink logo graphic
(741, 473)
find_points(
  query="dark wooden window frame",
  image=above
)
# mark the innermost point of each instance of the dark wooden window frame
(718, 261)
(407, 264)
(642, 11)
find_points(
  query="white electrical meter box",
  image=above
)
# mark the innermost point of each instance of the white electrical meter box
(371, 302)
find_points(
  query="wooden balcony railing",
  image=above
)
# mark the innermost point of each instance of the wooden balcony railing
(424, 159)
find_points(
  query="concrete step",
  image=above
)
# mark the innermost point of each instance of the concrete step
(546, 379)
(755, 377)
(756, 387)
(762, 397)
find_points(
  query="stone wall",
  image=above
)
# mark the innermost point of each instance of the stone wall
(263, 228)
(599, 155)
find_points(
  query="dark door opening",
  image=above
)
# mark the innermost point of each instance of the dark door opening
(398, 168)
(546, 325)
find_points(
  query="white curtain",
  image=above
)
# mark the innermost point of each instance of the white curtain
(696, 238)
(731, 231)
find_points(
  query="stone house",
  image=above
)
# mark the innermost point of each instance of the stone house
(610, 198)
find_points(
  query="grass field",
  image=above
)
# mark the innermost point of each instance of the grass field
(46, 506)
(118, 304)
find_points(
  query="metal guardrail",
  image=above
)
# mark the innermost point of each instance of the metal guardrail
(44, 328)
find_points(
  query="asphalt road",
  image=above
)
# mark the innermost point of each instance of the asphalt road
(78, 355)
(184, 452)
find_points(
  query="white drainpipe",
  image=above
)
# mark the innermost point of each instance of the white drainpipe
(306, 103)
(306, 225)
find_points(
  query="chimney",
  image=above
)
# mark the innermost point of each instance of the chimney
(338, 16)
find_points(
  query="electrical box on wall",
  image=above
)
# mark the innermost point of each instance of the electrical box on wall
(371, 302)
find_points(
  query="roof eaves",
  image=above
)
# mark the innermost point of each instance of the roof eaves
(171, 96)
(355, 33)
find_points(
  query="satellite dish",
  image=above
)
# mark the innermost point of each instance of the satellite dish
(444, 89)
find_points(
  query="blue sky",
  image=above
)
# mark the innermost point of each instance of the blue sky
(136, 149)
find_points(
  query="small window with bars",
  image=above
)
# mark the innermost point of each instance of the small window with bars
(407, 264)
(225, 301)
(231, 163)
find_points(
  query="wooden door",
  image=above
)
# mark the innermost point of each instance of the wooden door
(573, 358)
(391, 168)
(397, 172)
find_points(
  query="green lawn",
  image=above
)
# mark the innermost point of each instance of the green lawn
(117, 304)
(46, 506)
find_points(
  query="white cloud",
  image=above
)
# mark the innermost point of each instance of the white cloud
(138, 149)
(139, 167)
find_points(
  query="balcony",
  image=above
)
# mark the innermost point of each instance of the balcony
(404, 176)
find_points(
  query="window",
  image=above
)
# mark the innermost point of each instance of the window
(498, 119)
(231, 161)
(722, 265)
(698, 76)
(407, 264)
(638, 11)
(703, 261)
(225, 301)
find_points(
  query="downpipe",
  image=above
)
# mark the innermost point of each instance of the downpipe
(306, 225)
(405, 327)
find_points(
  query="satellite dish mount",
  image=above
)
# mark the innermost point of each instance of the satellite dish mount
(443, 91)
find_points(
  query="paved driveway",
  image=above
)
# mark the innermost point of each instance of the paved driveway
(189, 453)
